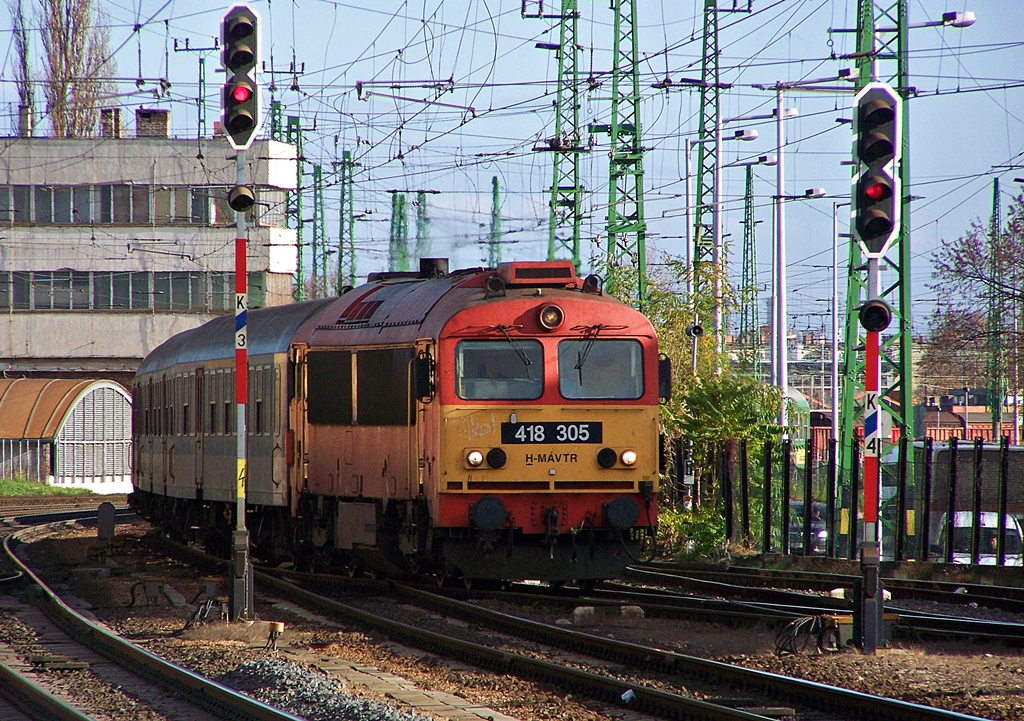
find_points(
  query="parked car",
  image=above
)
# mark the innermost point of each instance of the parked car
(963, 522)
(819, 534)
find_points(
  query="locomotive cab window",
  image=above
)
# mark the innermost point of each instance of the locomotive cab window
(499, 369)
(600, 368)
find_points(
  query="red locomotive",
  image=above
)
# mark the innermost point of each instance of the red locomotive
(485, 423)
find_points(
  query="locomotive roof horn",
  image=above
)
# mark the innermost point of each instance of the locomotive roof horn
(592, 284)
(494, 287)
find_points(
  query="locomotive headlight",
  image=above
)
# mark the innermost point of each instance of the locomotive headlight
(628, 458)
(551, 316)
(474, 458)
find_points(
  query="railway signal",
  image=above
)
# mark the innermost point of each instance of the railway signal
(241, 113)
(876, 199)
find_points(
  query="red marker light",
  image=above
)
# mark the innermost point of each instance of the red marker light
(240, 93)
(876, 191)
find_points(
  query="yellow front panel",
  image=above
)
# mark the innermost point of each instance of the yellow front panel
(545, 458)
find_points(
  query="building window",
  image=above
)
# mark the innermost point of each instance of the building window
(79, 290)
(22, 203)
(141, 297)
(162, 291)
(111, 290)
(101, 291)
(82, 195)
(140, 204)
(21, 290)
(180, 291)
(200, 206)
(6, 206)
(62, 290)
(44, 204)
(122, 204)
(62, 205)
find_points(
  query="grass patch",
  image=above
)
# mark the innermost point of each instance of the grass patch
(21, 487)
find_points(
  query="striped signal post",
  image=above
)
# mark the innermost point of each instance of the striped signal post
(875, 316)
(241, 116)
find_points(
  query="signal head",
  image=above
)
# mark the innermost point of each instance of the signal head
(875, 315)
(877, 146)
(241, 198)
(240, 101)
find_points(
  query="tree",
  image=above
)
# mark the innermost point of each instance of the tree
(77, 65)
(954, 353)
(23, 68)
(978, 271)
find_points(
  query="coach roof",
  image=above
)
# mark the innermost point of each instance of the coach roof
(270, 330)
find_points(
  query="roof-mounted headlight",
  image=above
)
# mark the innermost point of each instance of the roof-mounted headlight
(551, 316)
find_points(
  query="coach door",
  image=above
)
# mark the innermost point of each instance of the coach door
(199, 427)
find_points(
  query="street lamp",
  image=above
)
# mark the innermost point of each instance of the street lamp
(780, 355)
(835, 320)
(749, 284)
(953, 19)
(745, 135)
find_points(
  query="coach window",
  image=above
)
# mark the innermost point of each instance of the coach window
(499, 369)
(600, 369)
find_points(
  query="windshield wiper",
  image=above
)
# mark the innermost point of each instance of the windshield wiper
(515, 346)
(581, 356)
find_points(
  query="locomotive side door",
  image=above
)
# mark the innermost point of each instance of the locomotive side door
(424, 430)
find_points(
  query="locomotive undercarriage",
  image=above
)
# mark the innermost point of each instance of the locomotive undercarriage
(403, 541)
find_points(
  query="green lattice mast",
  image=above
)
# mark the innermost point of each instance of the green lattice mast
(566, 142)
(422, 225)
(398, 248)
(346, 225)
(750, 323)
(874, 48)
(997, 384)
(704, 252)
(320, 282)
(626, 244)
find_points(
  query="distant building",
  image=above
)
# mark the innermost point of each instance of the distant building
(111, 245)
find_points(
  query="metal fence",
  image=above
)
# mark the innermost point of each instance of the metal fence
(948, 501)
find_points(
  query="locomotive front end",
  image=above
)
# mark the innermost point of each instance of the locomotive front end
(549, 430)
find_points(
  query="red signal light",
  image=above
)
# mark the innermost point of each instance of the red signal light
(241, 93)
(877, 191)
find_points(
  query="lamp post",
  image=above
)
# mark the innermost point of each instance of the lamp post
(749, 347)
(835, 319)
(688, 144)
(781, 329)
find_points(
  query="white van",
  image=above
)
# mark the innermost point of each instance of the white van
(1013, 548)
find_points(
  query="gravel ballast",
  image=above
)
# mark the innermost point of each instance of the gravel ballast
(308, 693)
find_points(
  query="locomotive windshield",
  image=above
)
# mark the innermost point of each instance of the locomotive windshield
(499, 370)
(600, 368)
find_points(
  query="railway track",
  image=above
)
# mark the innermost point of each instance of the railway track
(69, 638)
(741, 598)
(21, 699)
(1005, 598)
(13, 506)
(655, 669)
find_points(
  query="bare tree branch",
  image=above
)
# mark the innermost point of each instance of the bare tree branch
(23, 69)
(75, 42)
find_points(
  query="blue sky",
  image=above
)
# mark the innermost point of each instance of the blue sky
(481, 54)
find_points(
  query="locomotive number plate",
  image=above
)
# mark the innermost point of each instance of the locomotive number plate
(551, 432)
